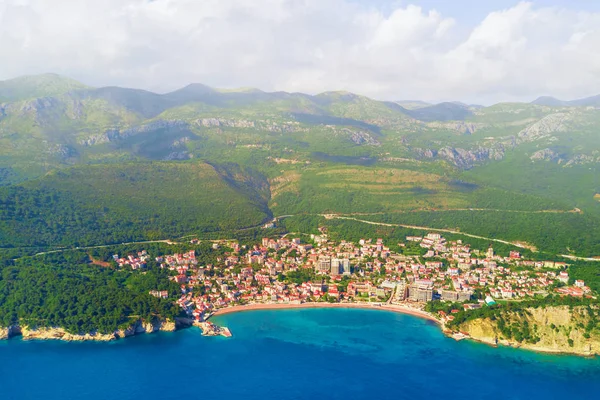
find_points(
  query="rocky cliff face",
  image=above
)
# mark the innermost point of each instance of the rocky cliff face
(466, 159)
(217, 122)
(138, 327)
(544, 128)
(568, 161)
(38, 105)
(7, 333)
(156, 326)
(462, 127)
(60, 334)
(361, 137)
(581, 159)
(112, 135)
(559, 329)
(546, 155)
(264, 125)
(463, 158)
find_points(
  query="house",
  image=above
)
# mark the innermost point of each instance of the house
(316, 287)
(333, 291)
(162, 294)
(563, 276)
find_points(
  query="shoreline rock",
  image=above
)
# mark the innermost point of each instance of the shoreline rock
(495, 342)
(57, 333)
(11, 331)
(60, 334)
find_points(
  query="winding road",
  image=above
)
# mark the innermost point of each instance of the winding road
(350, 217)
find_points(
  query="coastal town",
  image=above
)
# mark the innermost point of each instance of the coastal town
(283, 272)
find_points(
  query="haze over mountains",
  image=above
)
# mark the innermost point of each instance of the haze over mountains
(46, 85)
(70, 117)
(593, 101)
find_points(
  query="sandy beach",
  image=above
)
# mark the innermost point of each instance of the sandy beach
(383, 307)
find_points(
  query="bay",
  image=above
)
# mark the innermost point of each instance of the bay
(293, 354)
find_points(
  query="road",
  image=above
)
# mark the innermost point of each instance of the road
(103, 246)
(426, 228)
(350, 217)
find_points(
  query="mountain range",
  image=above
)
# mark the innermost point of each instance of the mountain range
(593, 101)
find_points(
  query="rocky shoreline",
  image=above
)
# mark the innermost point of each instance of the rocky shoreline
(558, 330)
(471, 332)
(586, 351)
(57, 333)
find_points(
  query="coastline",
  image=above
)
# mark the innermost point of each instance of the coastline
(58, 333)
(531, 347)
(402, 310)
(210, 329)
(367, 306)
(207, 328)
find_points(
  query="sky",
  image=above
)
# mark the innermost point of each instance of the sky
(476, 51)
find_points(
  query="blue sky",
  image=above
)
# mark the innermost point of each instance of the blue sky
(470, 12)
(477, 51)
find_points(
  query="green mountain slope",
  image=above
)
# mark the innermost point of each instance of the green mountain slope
(292, 152)
(29, 87)
(101, 204)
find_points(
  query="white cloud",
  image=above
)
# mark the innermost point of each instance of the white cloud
(305, 45)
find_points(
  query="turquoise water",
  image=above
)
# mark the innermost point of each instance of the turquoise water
(293, 354)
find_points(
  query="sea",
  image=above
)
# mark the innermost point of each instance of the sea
(293, 354)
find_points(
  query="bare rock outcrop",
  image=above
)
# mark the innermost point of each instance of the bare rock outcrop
(466, 159)
(263, 125)
(361, 137)
(544, 127)
(545, 155)
(112, 135)
(580, 159)
(462, 127)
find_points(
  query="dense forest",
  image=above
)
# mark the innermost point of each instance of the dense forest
(65, 290)
(557, 233)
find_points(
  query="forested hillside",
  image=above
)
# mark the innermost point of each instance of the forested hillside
(101, 204)
(65, 290)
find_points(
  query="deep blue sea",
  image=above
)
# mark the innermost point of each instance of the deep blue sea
(293, 354)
